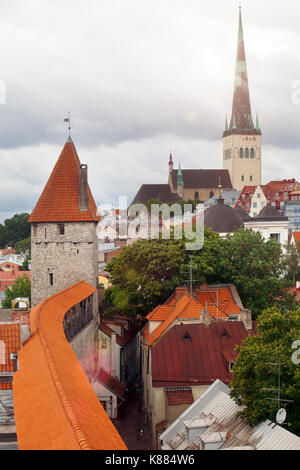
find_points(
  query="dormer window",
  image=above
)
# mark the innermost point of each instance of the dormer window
(231, 366)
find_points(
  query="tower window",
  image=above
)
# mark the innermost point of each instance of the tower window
(51, 279)
(247, 153)
(243, 178)
(252, 153)
(61, 229)
(241, 153)
(35, 227)
(251, 178)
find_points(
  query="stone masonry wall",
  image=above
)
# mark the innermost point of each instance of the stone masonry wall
(69, 258)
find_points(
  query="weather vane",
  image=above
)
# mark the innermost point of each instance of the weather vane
(68, 119)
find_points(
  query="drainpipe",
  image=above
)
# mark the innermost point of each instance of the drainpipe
(113, 354)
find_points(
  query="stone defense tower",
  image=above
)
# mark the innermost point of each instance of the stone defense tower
(64, 243)
(242, 141)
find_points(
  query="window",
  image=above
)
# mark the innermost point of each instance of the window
(275, 236)
(211, 194)
(241, 153)
(243, 178)
(61, 229)
(35, 227)
(104, 343)
(51, 279)
(45, 233)
(251, 178)
(231, 366)
(196, 196)
(252, 153)
(254, 205)
(247, 153)
(258, 195)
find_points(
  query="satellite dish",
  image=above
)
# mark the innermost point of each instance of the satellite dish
(281, 416)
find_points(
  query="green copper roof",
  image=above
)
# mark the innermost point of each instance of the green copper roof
(179, 177)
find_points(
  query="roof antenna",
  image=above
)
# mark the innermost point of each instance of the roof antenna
(281, 412)
(68, 119)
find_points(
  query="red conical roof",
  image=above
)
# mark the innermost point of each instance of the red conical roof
(59, 202)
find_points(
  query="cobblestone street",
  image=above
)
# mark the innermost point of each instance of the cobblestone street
(131, 421)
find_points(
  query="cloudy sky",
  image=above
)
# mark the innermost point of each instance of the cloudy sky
(141, 78)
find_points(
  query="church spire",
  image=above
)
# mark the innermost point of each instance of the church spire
(241, 119)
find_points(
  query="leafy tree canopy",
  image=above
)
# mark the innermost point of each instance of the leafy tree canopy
(277, 331)
(146, 272)
(23, 246)
(20, 288)
(15, 229)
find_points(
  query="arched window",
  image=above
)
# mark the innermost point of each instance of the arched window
(247, 153)
(196, 196)
(241, 153)
(211, 194)
(252, 153)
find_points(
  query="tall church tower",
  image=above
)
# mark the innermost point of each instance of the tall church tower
(242, 141)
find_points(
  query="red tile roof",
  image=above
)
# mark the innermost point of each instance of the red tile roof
(296, 236)
(195, 354)
(59, 201)
(10, 336)
(7, 278)
(55, 405)
(275, 191)
(179, 395)
(111, 383)
(218, 301)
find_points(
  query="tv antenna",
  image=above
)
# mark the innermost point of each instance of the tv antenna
(281, 412)
(191, 280)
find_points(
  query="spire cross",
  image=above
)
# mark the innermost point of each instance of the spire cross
(68, 120)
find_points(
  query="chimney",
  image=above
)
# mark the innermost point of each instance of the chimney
(83, 188)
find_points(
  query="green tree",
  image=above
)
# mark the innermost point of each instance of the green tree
(14, 229)
(144, 274)
(292, 259)
(257, 269)
(147, 271)
(23, 246)
(20, 288)
(252, 372)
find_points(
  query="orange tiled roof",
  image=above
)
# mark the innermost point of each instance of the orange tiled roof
(59, 201)
(10, 336)
(219, 305)
(55, 405)
(296, 236)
